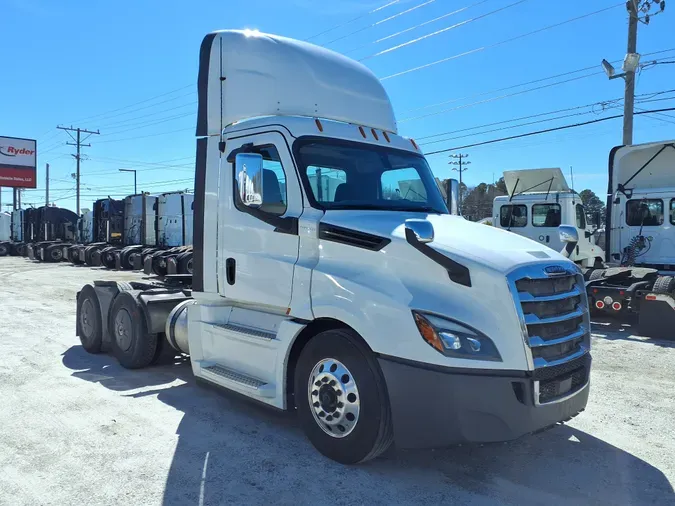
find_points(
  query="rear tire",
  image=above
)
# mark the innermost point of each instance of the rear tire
(4, 250)
(54, 253)
(131, 343)
(360, 394)
(664, 285)
(89, 325)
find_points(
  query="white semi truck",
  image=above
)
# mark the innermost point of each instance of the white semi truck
(633, 278)
(322, 283)
(538, 202)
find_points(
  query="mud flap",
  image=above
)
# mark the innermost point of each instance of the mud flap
(657, 316)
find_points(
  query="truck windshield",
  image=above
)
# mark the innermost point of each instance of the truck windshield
(350, 175)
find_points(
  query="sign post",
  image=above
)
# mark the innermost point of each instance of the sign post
(18, 159)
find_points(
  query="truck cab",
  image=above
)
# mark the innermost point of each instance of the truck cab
(641, 206)
(538, 202)
(331, 279)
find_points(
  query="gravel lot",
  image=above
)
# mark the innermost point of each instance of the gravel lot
(78, 429)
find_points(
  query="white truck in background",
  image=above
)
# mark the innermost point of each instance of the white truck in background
(633, 278)
(322, 284)
(538, 202)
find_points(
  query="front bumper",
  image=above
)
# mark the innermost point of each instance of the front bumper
(433, 407)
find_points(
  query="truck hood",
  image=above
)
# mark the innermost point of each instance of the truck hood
(454, 237)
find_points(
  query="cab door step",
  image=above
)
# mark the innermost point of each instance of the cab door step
(238, 381)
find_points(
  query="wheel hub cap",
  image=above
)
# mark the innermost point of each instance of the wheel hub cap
(123, 329)
(85, 318)
(334, 398)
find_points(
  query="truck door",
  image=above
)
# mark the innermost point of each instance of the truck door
(651, 218)
(546, 218)
(258, 246)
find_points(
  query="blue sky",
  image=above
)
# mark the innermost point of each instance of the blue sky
(129, 69)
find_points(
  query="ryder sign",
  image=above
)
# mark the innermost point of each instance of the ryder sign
(17, 162)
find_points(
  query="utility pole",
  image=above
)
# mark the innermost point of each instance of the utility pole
(629, 94)
(459, 161)
(78, 144)
(47, 185)
(638, 11)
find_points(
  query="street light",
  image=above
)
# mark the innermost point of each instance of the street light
(134, 171)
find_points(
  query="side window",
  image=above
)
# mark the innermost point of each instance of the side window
(274, 183)
(324, 181)
(546, 215)
(644, 212)
(581, 217)
(672, 211)
(513, 216)
(403, 184)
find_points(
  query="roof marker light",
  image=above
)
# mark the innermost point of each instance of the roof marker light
(414, 144)
(318, 125)
(385, 136)
(375, 134)
(363, 134)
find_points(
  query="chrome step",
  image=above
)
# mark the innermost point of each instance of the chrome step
(242, 380)
(247, 331)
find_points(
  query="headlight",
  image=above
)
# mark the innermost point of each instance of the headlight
(455, 339)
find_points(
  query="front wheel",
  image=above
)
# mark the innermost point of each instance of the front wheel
(341, 398)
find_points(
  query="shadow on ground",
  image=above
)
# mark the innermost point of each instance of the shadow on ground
(613, 330)
(231, 451)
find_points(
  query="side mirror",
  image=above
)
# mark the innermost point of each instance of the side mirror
(453, 196)
(597, 219)
(422, 230)
(569, 236)
(249, 172)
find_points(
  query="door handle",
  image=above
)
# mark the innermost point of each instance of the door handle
(548, 238)
(230, 270)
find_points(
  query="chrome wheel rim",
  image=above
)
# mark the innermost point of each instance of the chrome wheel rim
(334, 398)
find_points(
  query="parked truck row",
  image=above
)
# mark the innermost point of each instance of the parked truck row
(149, 232)
(331, 278)
(633, 277)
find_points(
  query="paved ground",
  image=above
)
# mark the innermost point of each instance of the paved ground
(78, 429)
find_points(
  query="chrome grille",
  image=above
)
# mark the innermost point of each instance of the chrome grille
(553, 311)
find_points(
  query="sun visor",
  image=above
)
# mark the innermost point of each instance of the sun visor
(535, 181)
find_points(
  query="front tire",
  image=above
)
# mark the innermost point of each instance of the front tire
(338, 376)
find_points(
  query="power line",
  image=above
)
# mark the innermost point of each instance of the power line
(341, 25)
(604, 103)
(134, 104)
(146, 124)
(483, 48)
(402, 13)
(130, 121)
(537, 132)
(475, 95)
(401, 32)
(146, 136)
(493, 99)
(442, 30)
(150, 106)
